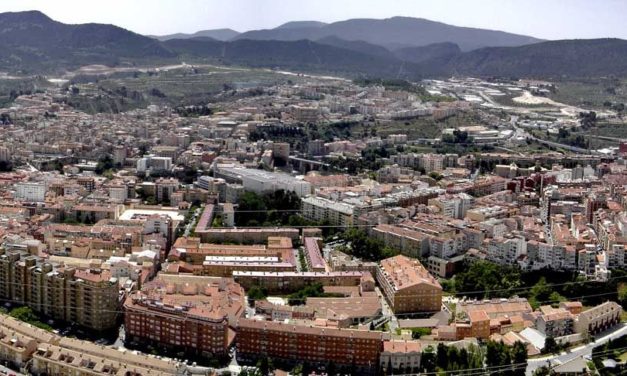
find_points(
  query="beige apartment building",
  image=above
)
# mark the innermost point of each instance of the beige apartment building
(598, 319)
(408, 286)
(87, 297)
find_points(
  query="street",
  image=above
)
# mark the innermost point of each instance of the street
(9, 372)
(584, 350)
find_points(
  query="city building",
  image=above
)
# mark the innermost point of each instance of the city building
(90, 298)
(196, 314)
(306, 343)
(408, 286)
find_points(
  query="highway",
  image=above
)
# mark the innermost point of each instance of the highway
(521, 132)
(585, 350)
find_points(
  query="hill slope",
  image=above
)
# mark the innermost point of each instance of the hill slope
(217, 34)
(440, 51)
(296, 55)
(301, 24)
(394, 33)
(32, 41)
(564, 58)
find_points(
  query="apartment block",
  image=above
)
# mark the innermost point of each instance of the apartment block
(598, 319)
(287, 282)
(399, 357)
(328, 211)
(313, 256)
(408, 286)
(298, 343)
(555, 322)
(186, 312)
(87, 297)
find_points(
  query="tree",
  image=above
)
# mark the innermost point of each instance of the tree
(483, 279)
(297, 370)
(366, 247)
(257, 293)
(264, 366)
(441, 356)
(428, 362)
(550, 346)
(251, 207)
(6, 166)
(105, 163)
(519, 357)
(622, 295)
(539, 293)
(542, 371)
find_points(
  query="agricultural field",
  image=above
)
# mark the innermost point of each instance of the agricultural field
(180, 86)
(594, 93)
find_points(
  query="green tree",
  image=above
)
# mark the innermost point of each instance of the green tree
(539, 293)
(622, 295)
(366, 247)
(441, 356)
(257, 293)
(483, 279)
(105, 163)
(251, 208)
(550, 346)
(519, 357)
(264, 366)
(428, 362)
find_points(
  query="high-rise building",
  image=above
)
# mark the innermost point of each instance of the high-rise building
(87, 297)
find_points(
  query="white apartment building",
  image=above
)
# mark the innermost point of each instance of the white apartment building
(35, 192)
(321, 209)
(119, 193)
(506, 250)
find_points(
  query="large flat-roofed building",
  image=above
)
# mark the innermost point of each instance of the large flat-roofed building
(260, 181)
(352, 310)
(186, 312)
(320, 345)
(408, 286)
(246, 235)
(286, 282)
(497, 308)
(51, 359)
(222, 260)
(192, 250)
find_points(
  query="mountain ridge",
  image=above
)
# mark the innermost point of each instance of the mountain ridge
(396, 32)
(222, 34)
(33, 43)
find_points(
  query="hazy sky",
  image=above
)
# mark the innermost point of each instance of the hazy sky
(549, 19)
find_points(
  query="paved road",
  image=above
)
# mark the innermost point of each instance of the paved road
(9, 372)
(524, 133)
(584, 350)
(192, 221)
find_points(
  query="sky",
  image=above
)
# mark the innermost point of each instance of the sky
(546, 19)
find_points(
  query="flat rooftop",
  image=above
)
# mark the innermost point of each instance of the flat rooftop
(140, 214)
